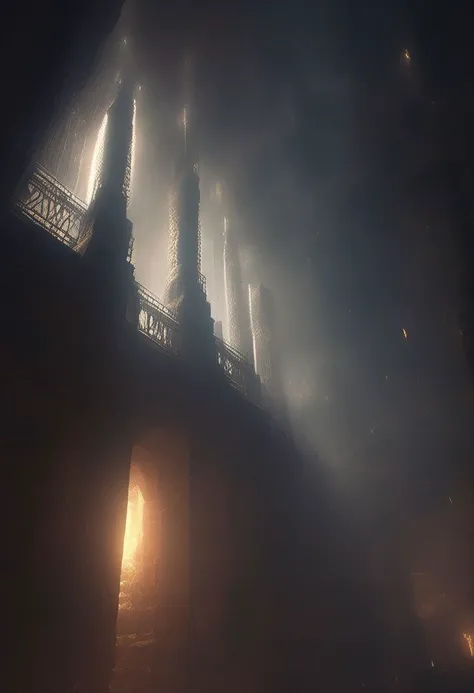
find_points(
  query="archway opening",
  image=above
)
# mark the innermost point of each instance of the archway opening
(154, 560)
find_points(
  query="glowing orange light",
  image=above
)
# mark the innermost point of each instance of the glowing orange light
(470, 642)
(407, 56)
(133, 526)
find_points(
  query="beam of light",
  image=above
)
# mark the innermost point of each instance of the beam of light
(133, 147)
(185, 129)
(96, 160)
(405, 334)
(252, 329)
(468, 637)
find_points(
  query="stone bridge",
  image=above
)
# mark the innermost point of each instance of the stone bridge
(88, 398)
(50, 205)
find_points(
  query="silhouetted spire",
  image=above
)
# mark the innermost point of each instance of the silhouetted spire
(185, 289)
(106, 230)
(112, 163)
(184, 251)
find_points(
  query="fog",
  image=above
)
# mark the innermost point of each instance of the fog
(303, 126)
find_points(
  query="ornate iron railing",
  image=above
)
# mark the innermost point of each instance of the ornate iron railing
(237, 369)
(51, 205)
(161, 325)
(48, 203)
(157, 321)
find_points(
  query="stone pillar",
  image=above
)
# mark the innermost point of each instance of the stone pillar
(171, 671)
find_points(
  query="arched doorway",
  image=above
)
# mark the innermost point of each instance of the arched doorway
(132, 558)
(154, 585)
(137, 596)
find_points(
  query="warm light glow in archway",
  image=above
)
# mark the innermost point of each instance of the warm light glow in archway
(133, 526)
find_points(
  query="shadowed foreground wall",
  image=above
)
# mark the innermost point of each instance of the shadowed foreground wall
(256, 576)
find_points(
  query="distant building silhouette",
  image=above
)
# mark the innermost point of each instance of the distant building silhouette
(238, 319)
(266, 355)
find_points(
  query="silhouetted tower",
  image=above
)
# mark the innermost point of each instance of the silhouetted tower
(238, 319)
(184, 249)
(266, 358)
(106, 233)
(185, 290)
(110, 177)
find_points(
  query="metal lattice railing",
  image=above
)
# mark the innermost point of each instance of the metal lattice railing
(161, 325)
(51, 205)
(237, 369)
(157, 321)
(48, 203)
